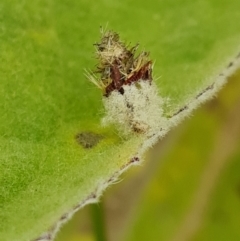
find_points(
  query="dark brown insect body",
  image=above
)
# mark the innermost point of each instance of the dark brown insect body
(119, 65)
(144, 73)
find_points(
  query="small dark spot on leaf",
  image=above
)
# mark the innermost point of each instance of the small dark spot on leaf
(230, 64)
(134, 159)
(93, 195)
(64, 216)
(88, 139)
(180, 110)
(210, 87)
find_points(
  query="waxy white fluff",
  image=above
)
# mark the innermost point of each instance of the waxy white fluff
(137, 110)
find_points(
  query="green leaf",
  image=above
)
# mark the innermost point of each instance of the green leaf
(45, 100)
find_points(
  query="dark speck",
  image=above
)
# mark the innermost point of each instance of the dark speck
(88, 139)
(121, 90)
(180, 110)
(230, 64)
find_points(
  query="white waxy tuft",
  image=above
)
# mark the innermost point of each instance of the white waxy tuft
(137, 110)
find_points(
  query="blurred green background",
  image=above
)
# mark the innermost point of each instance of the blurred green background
(187, 189)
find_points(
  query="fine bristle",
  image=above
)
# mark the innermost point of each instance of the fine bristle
(118, 64)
